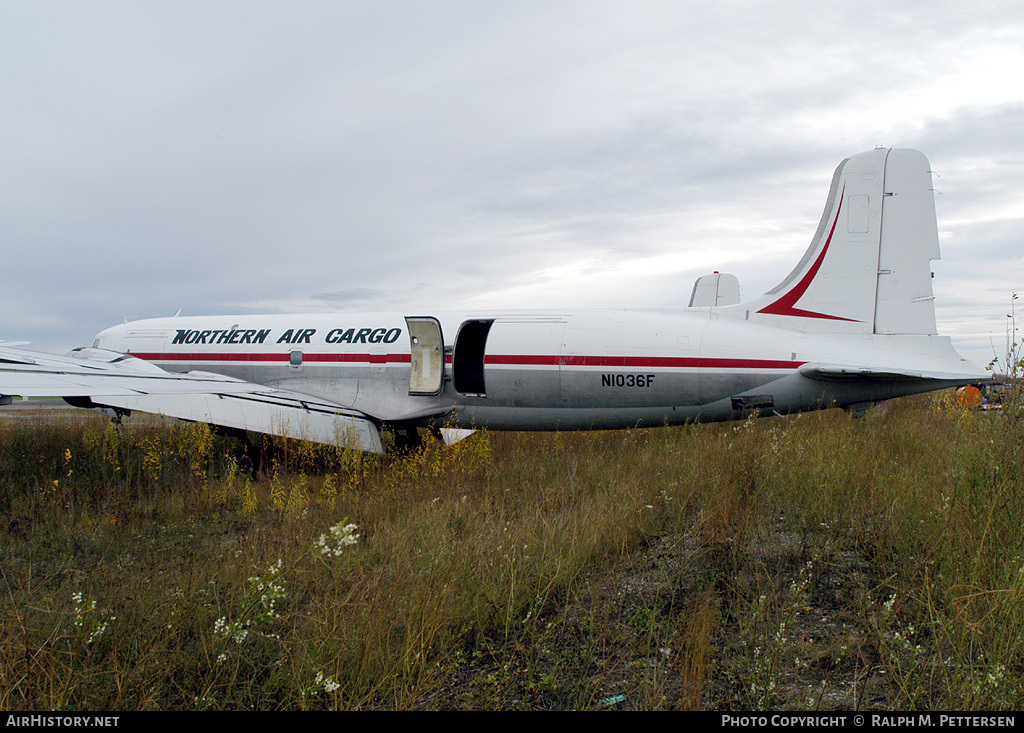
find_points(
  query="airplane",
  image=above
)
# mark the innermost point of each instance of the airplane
(852, 325)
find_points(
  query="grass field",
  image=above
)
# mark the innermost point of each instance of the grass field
(812, 562)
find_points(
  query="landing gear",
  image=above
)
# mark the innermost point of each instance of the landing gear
(407, 440)
(249, 456)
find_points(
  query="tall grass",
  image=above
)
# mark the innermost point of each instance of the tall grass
(815, 561)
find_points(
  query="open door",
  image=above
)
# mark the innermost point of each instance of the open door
(468, 360)
(427, 348)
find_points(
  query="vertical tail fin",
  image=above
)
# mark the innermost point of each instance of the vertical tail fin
(867, 269)
(910, 240)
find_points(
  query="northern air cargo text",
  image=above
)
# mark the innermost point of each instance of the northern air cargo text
(289, 336)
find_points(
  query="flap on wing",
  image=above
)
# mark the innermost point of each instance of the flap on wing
(276, 412)
(451, 436)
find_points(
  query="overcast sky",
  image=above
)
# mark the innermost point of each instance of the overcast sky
(243, 157)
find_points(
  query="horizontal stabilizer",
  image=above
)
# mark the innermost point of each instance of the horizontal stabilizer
(836, 372)
(716, 289)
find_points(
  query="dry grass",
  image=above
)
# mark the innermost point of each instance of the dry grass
(810, 562)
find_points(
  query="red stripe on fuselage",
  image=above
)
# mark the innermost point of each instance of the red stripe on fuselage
(263, 358)
(681, 362)
(685, 362)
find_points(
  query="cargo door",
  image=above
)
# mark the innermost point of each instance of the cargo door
(426, 344)
(524, 357)
(468, 359)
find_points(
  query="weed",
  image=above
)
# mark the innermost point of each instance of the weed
(808, 562)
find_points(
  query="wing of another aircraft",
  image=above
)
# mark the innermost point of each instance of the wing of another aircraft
(111, 379)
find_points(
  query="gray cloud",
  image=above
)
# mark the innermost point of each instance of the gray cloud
(236, 157)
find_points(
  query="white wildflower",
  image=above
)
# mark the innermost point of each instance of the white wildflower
(329, 683)
(336, 539)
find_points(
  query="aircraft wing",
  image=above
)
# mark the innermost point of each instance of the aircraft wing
(111, 379)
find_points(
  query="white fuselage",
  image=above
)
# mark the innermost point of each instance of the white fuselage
(529, 370)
